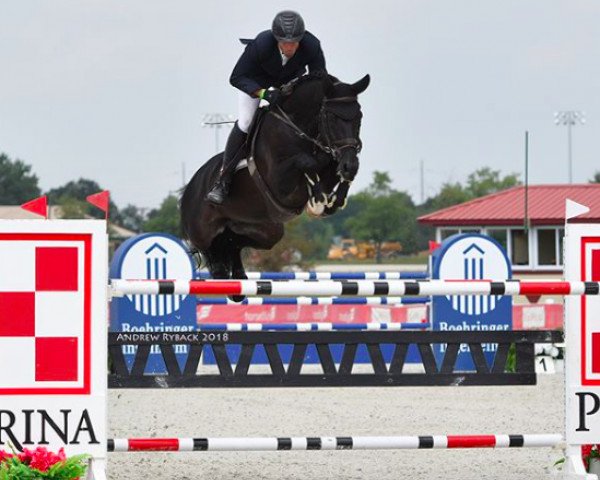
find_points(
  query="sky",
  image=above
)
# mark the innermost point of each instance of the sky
(116, 90)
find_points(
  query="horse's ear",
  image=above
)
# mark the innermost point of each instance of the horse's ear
(361, 85)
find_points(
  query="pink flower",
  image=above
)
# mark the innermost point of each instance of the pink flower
(5, 455)
(42, 459)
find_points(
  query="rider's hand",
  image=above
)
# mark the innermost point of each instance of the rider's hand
(272, 96)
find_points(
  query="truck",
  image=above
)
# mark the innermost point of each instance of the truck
(348, 248)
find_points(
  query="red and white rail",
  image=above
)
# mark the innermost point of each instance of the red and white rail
(248, 444)
(329, 288)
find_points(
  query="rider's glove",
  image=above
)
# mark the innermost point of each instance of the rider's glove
(271, 96)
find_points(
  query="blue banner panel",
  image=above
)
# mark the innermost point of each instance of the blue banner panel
(153, 256)
(470, 257)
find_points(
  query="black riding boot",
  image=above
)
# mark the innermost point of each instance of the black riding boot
(220, 189)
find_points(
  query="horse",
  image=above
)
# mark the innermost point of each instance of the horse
(301, 153)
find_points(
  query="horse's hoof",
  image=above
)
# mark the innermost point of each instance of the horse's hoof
(237, 298)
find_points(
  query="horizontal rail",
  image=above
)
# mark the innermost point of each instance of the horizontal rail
(268, 444)
(315, 327)
(316, 301)
(311, 275)
(334, 288)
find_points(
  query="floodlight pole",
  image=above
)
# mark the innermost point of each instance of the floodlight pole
(569, 118)
(217, 121)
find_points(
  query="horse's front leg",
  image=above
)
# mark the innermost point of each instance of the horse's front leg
(338, 198)
(317, 198)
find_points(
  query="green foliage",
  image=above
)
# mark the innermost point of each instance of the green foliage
(76, 192)
(450, 194)
(338, 221)
(79, 189)
(17, 184)
(596, 178)
(511, 359)
(305, 238)
(381, 185)
(73, 207)
(486, 181)
(386, 218)
(165, 218)
(70, 469)
(315, 235)
(132, 218)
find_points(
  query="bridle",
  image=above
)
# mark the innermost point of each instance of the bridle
(337, 146)
(323, 141)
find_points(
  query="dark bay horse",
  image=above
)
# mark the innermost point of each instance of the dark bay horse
(302, 154)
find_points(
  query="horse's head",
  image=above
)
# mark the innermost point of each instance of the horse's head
(326, 114)
(339, 124)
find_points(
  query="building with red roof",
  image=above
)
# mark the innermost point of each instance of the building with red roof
(505, 215)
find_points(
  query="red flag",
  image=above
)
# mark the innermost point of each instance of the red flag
(100, 200)
(433, 246)
(39, 206)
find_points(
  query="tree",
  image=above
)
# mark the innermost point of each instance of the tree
(79, 190)
(381, 184)
(385, 218)
(165, 218)
(338, 220)
(385, 215)
(305, 239)
(132, 217)
(596, 178)
(17, 184)
(486, 181)
(72, 207)
(450, 194)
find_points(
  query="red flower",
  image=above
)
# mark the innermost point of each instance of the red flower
(25, 456)
(5, 455)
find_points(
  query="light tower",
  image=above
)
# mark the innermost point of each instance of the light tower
(569, 118)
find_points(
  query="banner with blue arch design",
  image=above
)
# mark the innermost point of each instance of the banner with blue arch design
(153, 256)
(470, 256)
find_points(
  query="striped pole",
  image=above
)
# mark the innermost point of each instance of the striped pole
(335, 288)
(239, 444)
(317, 301)
(312, 327)
(328, 275)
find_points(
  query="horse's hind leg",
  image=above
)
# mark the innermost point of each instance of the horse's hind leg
(236, 266)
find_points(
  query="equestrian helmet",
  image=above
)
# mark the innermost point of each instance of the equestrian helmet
(288, 26)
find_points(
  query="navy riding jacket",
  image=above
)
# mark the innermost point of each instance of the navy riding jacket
(260, 64)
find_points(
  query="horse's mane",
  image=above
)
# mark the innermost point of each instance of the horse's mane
(292, 85)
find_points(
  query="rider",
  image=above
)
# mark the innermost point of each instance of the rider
(272, 59)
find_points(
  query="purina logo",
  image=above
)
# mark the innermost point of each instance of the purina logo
(156, 258)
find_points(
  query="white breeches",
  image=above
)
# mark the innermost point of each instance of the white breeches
(247, 106)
